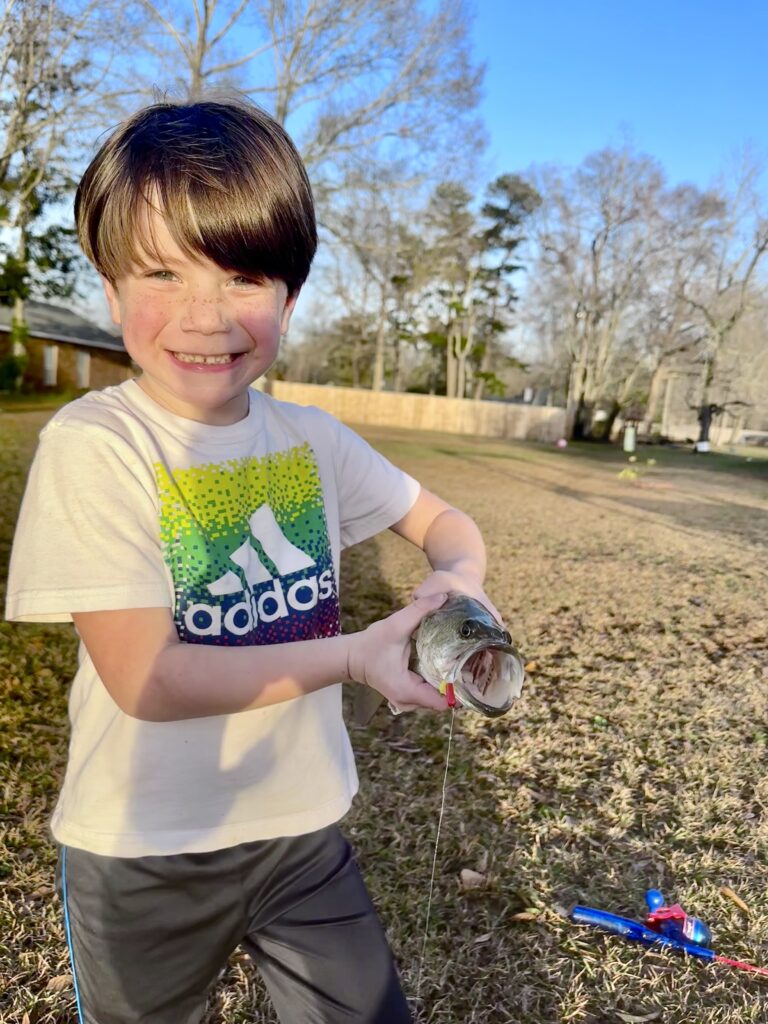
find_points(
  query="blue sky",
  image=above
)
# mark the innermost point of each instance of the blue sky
(686, 81)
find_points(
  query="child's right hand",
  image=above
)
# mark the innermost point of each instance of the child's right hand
(379, 656)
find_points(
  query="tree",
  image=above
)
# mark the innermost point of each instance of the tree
(348, 78)
(745, 364)
(450, 286)
(368, 226)
(196, 40)
(724, 261)
(452, 267)
(510, 200)
(596, 235)
(338, 353)
(54, 58)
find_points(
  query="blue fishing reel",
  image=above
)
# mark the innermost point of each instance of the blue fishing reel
(673, 922)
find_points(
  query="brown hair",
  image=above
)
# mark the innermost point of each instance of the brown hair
(226, 178)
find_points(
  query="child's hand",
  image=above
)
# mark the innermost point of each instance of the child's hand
(443, 580)
(378, 657)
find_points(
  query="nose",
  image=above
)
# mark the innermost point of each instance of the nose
(205, 314)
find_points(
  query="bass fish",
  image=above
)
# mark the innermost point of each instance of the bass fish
(464, 645)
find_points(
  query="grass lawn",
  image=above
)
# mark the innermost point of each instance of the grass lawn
(18, 402)
(636, 757)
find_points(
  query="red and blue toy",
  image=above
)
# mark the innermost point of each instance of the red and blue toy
(665, 926)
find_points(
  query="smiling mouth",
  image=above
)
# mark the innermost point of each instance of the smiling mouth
(227, 357)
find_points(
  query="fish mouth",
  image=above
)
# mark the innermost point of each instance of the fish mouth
(489, 678)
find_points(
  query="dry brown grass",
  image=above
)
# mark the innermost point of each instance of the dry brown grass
(636, 758)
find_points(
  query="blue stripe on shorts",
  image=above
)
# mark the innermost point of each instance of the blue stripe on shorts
(68, 930)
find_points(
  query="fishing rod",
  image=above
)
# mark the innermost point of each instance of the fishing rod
(669, 927)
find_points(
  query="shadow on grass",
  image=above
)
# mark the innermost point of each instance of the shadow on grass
(670, 458)
(708, 512)
(729, 520)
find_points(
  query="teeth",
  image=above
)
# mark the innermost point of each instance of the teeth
(187, 358)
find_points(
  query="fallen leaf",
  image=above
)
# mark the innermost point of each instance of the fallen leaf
(59, 983)
(46, 890)
(471, 879)
(731, 895)
(637, 1018)
(404, 746)
(482, 938)
(531, 666)
(525, 915)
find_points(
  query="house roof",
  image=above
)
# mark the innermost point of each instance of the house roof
(56, 323)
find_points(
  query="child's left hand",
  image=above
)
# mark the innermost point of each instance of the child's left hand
(442, 581)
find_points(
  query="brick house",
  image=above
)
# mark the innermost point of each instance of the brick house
(64, 351)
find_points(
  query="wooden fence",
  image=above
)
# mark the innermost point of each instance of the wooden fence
(426, 412)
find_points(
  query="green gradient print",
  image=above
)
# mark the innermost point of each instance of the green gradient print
(246, 543)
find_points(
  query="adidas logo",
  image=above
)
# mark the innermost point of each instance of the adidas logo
(262, 559)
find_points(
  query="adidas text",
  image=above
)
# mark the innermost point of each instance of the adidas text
(268, 605)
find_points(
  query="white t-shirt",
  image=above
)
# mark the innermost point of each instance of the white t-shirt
(238, 530)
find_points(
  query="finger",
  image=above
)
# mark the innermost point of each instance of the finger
(424, 694)
(410, 616)
(434, 584)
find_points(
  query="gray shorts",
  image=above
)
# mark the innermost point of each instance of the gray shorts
(149, 935)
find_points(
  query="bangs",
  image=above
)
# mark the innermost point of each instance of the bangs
(226, 180)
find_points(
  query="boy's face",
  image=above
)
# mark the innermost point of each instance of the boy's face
(200, 334)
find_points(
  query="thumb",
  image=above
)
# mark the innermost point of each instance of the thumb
(410, 616)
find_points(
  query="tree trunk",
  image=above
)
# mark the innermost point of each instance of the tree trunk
(667, 409)
(485, 363)
(381, 338)
(397, 369)
(574, 411)
(607, 425)
(738, 426)
(450, 365)
(18, 321)
(461, 372)
(705, 417)
(580, 428)
(654, 398)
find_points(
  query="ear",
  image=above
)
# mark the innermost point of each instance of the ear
(112, 300)
(288, 308)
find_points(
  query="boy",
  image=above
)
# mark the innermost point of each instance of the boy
(191, 528)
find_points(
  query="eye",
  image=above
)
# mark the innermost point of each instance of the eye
(243, 281)
(161, 275)
(466, 629)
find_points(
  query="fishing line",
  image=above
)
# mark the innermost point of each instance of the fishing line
(434, 858)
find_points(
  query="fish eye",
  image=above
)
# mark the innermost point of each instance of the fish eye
(466, 629)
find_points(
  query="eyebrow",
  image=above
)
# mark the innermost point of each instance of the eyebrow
(159, 259)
